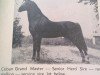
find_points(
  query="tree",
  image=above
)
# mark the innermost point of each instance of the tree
(88, 1)
(92, 2)
(17, 34)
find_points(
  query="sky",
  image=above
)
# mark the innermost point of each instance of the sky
(62, 10)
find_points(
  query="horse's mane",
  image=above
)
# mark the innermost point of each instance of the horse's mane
(37, 10)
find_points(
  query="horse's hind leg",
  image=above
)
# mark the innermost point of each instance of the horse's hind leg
(79, 42)
(82, 55)
(83, 47)
(86, 54)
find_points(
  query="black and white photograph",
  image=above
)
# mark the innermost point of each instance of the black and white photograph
(56, 32)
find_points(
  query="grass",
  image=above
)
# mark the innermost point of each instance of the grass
(52, 55)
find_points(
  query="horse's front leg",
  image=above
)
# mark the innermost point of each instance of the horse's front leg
(36, 48)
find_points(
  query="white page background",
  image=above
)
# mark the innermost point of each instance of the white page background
(6, 28)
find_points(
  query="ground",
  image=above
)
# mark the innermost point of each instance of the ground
(53, 55)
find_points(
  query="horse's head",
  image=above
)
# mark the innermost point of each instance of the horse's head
(31, 7)
(24, 6)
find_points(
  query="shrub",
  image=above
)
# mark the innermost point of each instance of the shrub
(17, 34)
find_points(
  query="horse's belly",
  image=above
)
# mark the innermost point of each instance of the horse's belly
(51, 35)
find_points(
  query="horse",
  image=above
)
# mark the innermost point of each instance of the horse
(41, 27)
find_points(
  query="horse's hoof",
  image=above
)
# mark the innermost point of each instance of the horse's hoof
(37, 59)
(83, 61)
(33, 58)
(87, 62)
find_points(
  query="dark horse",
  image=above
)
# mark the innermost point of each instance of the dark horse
(41, 27)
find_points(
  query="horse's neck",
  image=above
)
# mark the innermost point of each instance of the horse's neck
(35, 14)
(34, 17)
